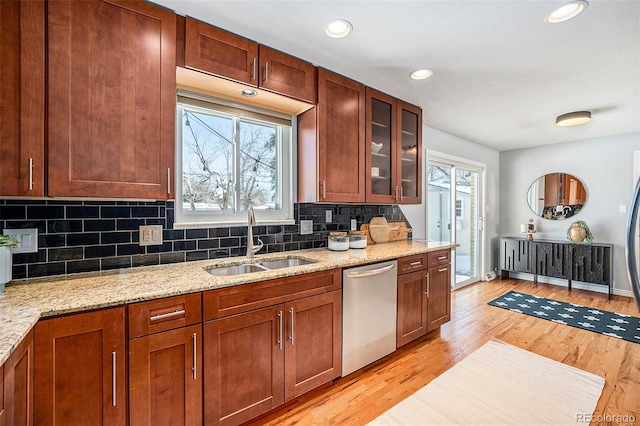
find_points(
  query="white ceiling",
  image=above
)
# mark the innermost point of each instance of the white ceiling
(501, 74)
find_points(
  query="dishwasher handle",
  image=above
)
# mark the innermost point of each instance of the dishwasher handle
(371, 272)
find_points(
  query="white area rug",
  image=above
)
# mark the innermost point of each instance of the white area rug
(500, 384)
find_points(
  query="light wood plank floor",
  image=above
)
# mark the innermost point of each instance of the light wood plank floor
(362, 396)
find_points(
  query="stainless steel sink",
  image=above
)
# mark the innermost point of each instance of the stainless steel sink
(244, 268)
(286, 263)
(265, 265)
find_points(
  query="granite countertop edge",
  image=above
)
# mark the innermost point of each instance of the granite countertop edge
(24, 302)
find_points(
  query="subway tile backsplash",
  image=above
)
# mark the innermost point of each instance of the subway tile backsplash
(89, 236)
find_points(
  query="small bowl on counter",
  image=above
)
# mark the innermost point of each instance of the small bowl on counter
(338, 241)
(358, 239)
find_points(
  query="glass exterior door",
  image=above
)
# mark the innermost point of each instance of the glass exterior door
(439, 202)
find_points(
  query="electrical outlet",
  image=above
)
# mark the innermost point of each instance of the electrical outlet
(151, 235)
(27, 239)
(306, 227)
(354, 225)
(328, 216)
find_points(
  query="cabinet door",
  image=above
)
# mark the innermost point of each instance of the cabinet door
(438, 296)
(22, 98)
(514, 255)
(18, 385)
(165, 378)
(412, 307)
(313, 342)
(111, 75)
(550, 259)
(244, 366)
(341, 117)
(287, 75)
(219, 52)
(381, 147)
(80, 369)
(409, 153)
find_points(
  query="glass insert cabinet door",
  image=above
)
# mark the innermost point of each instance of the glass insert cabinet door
(393, 144)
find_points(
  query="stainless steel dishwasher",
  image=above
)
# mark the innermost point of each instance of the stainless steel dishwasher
(369, 309)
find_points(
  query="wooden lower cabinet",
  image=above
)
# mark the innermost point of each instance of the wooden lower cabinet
(412, 307)
(80, 369)
(257, 360)
(438, 296)
(16, 383)
(165, 378)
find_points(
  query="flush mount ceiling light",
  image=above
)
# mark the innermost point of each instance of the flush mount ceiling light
(421, 74)
(573, 118)
(566, 12)
(248, 92)
(338, 28)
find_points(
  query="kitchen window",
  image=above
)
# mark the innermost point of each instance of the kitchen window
(231, 157)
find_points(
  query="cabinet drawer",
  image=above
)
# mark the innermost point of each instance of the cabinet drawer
(164, 314)
(412, 263)
(440, 257)
(246, 297)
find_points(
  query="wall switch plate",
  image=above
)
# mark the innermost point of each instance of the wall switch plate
(151, 235)
(328, 216)
(354, 225)
(27, 239)
(306, 227)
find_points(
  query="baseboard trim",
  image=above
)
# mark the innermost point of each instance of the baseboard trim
(574, 284)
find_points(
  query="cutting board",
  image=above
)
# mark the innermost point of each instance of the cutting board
(397, 231)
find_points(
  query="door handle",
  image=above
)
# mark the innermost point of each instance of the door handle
(371, 272)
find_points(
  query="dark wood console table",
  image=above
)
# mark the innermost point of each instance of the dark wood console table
(590, 263)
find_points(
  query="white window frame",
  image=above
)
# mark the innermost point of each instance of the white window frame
(203, 219)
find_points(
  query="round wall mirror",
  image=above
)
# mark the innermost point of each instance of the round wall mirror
(556, 196)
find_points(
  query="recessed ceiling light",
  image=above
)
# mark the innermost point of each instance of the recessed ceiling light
(338, 28)
(567, 11)
(573, 118)
(421, 74)
(248, 92)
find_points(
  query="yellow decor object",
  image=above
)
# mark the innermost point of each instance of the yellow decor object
(579, 232)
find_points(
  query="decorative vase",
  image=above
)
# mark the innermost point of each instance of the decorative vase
(577, 233)
(6, 263)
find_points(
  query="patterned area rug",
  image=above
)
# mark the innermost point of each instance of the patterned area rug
(612, 324)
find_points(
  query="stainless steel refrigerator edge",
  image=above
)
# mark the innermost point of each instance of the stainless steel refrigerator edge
(369, 311)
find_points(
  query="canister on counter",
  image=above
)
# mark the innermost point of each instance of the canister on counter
(358, 239)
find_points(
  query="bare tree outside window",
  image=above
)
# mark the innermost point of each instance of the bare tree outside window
(213, 153)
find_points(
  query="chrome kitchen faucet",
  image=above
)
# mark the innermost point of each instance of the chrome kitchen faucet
(251, 222)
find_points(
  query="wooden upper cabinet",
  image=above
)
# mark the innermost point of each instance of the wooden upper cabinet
(331, 147)
(111, 99)
(22, 94)
(393, 150)
(224, 54)
(286, 75)
(220, 52)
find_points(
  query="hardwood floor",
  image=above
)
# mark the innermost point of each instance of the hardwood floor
(362, 396)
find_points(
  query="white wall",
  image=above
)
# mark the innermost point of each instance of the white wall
(605, 167)
(445, 143)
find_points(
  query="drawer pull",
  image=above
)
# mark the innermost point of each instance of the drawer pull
(442, 257)
(167, 315)
(416, 263)
(443, 270)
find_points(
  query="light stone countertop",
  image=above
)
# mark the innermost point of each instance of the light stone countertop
(24, 302)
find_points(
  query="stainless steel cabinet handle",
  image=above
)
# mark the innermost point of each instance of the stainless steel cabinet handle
(167, 315)
(266, 71)
(427, 277)
(30, 174)
(168, 180)
(442, 257)
(443, 269)
(195, 355)
(417, 262)
(280, 329)
(323, 184)
(401, 193)
(371, 272)
(253, 68)
(113, 379)
(292, 315)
